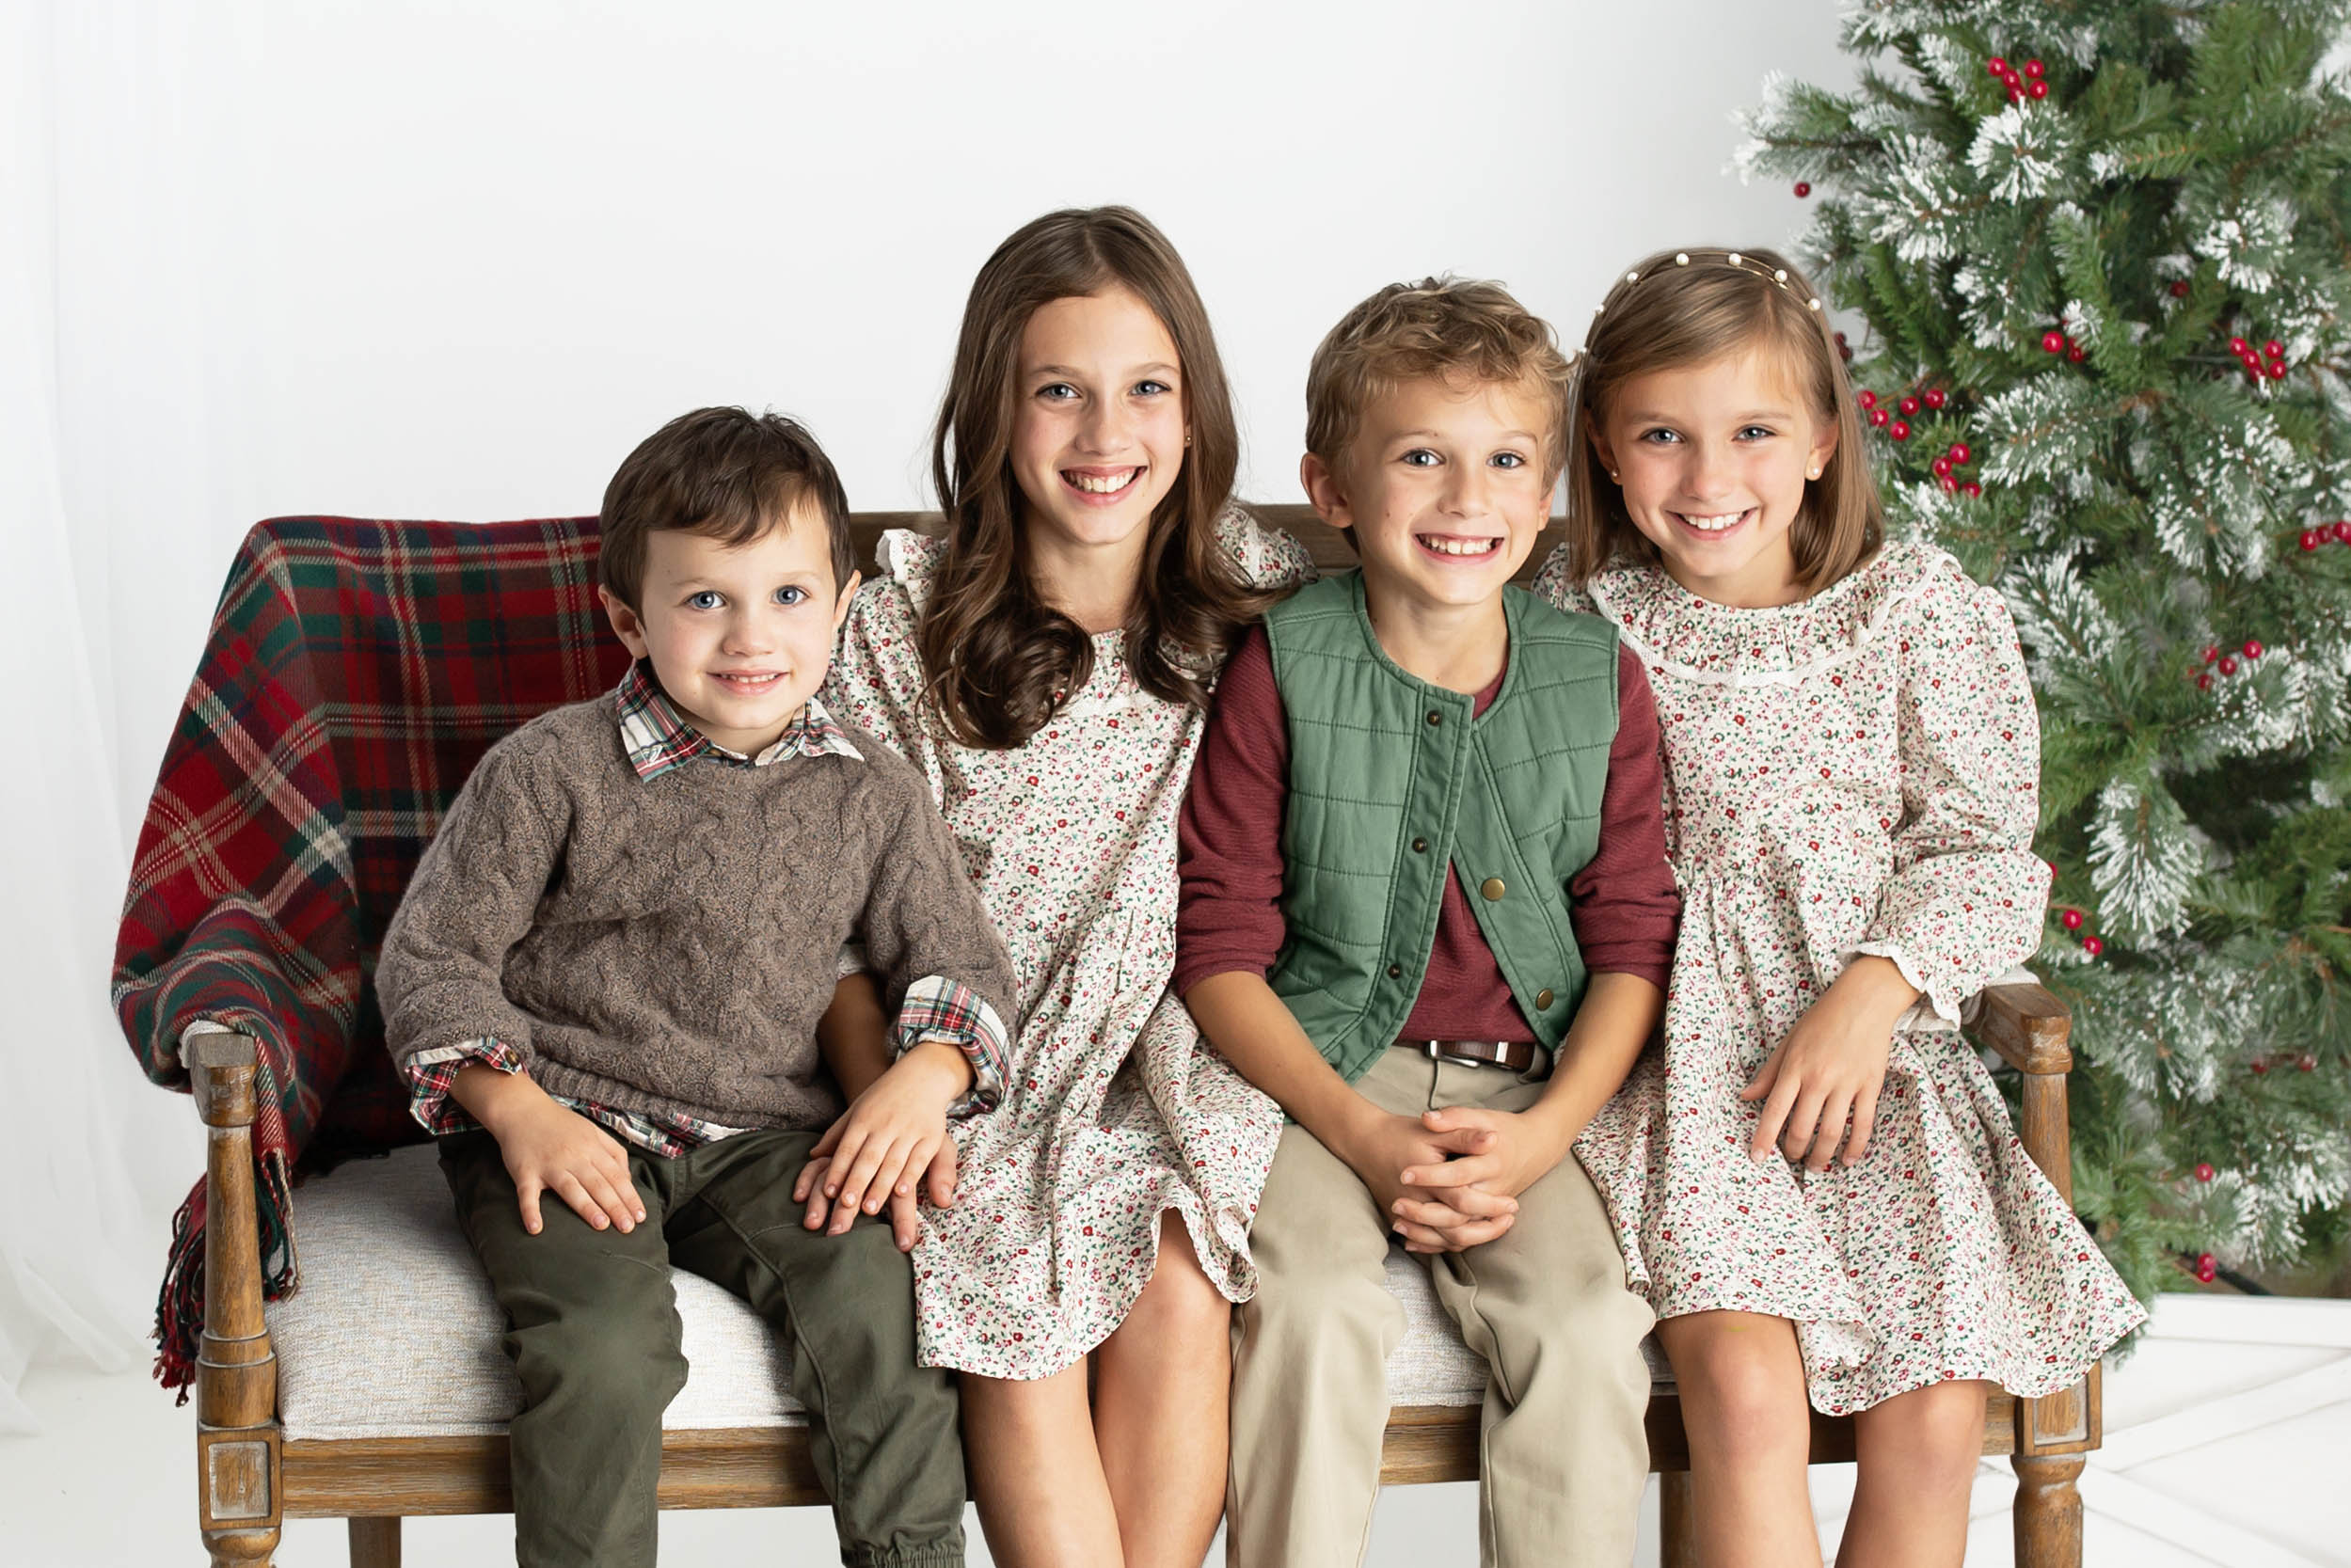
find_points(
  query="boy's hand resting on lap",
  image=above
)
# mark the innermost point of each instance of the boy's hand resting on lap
(1387, 1150)
(550, 1148)
(1831, 1067)
(893, 1137)
(1517, 1150)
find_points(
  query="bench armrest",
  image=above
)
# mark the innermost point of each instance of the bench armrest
(2028, 1026)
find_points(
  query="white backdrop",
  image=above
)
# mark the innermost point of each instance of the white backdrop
(452, 260)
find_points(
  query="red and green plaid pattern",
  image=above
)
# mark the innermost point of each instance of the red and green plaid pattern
(658, 738)
(355, 673)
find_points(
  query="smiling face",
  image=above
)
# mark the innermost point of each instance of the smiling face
(1099, 431)
(1713, 460)
(1444, 488)
(739, 636)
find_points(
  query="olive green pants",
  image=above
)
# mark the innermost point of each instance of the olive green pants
(593, 1333)
(1562, 1452)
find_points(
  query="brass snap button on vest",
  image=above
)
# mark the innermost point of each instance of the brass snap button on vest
(1491, 887)
(1395, 972)
(1542, 1000)
(1419, 846)
(1434, 717)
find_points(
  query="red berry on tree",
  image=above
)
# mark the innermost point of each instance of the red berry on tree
(2228, 665)
(2311, 539)
(2342, 529)
(2276, 370)
(2252, 649)
(1909, 405)
(2035, 69)
(2239, 347)
(2204, 1171)
(2211, 651)
(2272, 350)
(2071, 919)
(1900, 430)
(1997, 65)
(1951, 486)
(2207, 1267)
(2306, 1062)
(2073, 353)
(2179, 288)
(1867, 398)
(1840, 336)
(1942, 466)
(2016, 93)
(1845, 353)
(2035, 88)
(2259, 1065)
(2053, 342)
(2092, 946)
(1878, 417)
(1934, 397)
(1803, 187)
(1971, 489)
(1960, 452)
(2203, 682)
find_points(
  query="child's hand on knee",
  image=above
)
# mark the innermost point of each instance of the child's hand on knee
(887, 1143)
(1820, 1087)
(553, 1148)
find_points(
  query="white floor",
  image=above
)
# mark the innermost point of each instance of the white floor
(2228, 1442)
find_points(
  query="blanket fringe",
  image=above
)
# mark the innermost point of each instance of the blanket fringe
(179, 1304)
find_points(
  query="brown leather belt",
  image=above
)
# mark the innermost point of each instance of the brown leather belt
(1510, 1056)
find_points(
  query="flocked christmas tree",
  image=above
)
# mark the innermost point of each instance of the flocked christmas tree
(2100, 255)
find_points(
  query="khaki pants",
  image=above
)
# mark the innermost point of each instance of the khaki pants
(1562, 1452)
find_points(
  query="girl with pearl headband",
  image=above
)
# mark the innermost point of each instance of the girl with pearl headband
(1046, 663)
(1815, 1181)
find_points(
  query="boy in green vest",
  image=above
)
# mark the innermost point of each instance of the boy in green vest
(1426, 906)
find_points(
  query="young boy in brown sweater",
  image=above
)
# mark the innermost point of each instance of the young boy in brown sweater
(1426, 906)
(605, 985)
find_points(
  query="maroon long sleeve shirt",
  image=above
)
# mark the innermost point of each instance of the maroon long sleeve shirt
(1623, 906)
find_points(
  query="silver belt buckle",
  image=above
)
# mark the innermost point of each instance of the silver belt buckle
(1430, 1050)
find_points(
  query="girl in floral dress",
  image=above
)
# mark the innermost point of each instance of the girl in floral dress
(1816, 1182)
(1047, 663)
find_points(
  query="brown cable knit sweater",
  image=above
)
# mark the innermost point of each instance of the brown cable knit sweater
(667, 944)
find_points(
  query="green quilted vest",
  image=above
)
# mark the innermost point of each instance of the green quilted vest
(1390, 778)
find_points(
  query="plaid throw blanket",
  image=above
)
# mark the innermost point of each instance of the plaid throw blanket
(355, 673)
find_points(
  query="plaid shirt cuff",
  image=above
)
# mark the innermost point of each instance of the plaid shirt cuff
(937, 1009)
(430, 1074)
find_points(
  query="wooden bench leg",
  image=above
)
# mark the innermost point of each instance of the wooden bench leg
(1676, 1526)
(375, 1543)
(2048, 1512)
(236, 1373)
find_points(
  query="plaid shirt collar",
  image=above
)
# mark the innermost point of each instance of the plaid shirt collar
(658, 738)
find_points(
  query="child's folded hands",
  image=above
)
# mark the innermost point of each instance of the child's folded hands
(1514, 1150)
(892, 1138)
(1384, 1148)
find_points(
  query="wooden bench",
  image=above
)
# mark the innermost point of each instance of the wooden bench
(252, 1473)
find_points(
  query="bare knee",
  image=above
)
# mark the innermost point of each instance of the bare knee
(1929, 1438)
(1179, 1298)
(1742, 1380)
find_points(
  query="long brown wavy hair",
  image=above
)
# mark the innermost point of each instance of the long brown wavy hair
(1000, 660)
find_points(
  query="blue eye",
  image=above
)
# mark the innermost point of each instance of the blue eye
(708, 599)
(1658, 437)
(1507, 460)
(1058, 391)
(1758, 431)
(791, 594)
(1420, 457)
(1146, 388)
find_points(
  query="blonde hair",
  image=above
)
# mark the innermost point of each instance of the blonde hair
(1682, 307)
(1446, 327)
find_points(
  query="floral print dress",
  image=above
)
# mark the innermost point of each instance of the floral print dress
(1854, 773)
(1115, 1110)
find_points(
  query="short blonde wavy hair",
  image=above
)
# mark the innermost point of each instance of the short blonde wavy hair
(1449, 328)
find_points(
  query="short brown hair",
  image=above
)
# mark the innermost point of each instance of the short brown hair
(726, 474)
(1447, 327)
(1682, 307)
(1000, 660)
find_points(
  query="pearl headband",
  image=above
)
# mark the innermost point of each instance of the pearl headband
(1744, 263)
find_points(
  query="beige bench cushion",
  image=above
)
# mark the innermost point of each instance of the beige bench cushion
(394, 1332)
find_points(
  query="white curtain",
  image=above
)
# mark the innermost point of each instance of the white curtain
(96, 1158)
